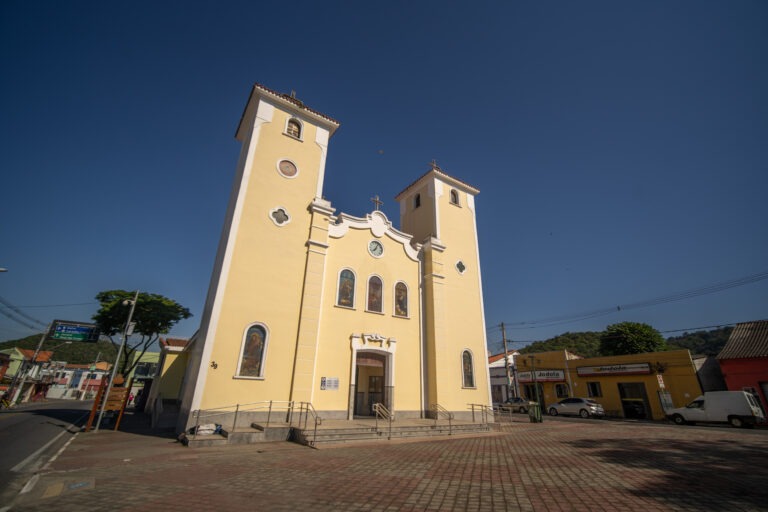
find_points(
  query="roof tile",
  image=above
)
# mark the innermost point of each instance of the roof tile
(748, 340)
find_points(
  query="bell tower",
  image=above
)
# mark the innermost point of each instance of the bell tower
(258, 284)
(439, 211)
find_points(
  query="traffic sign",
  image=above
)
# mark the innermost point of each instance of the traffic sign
(64, 330)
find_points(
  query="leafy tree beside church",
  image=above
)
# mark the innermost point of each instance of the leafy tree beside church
(631, 338)
(154, 315)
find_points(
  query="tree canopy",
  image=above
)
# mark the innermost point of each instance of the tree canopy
(631, 338)
(154, 315)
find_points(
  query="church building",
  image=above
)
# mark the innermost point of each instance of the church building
(307, 305)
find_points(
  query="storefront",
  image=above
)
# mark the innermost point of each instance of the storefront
(639, 386)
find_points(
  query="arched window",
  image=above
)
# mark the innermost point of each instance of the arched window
(454, 197)
(416, 201)
(467, 369)
(293, 128)
(401, 299)
(346, 295)
(252, 353)
(374, 294)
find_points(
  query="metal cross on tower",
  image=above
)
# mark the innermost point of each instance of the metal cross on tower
(377, 202)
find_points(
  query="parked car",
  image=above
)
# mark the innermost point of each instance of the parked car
(517, 404)
(583, 407)
(738, 408)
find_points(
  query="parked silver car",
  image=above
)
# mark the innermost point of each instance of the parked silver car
(583, 407)
(517, 404)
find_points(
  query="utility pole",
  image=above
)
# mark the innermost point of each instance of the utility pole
(117, 360)
(506, 361)
(537, 416)
(17, 397)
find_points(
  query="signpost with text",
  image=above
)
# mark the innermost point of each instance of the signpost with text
(63, 330)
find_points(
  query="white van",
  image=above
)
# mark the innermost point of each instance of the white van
(738, 408)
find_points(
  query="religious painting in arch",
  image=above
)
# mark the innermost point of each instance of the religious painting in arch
(468, 370)
(253, 352)
(346, 296)
(374, 294)
(401, 299)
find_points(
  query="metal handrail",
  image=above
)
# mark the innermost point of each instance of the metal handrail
(484, 411)
(439, 410)
(310, 411)
(383, 413)
(270, 406)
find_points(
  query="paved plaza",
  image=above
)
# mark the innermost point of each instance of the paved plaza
(558, 465)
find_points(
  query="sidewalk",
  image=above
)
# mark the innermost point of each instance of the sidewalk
(555, 465)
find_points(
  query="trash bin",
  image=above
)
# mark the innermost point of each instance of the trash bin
(534, 412)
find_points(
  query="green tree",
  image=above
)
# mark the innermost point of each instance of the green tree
(631, 338)
(154, 315)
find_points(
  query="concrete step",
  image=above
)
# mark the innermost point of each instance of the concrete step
(347, 435)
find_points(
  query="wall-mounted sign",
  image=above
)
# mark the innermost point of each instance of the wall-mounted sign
(329, 383)
(542, 376)
(64, 330)
(615, 369)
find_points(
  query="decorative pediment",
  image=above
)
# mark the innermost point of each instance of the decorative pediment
(379, 226)
(373, 341)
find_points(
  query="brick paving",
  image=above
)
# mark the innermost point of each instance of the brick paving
(558, 465)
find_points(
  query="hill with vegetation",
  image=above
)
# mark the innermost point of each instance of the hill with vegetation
(73, 353)
(587, 344)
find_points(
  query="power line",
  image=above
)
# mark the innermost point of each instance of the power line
(696, 292)
(19, 312)
(18, 320)
(59, 305)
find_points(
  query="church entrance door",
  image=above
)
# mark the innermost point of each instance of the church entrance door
(371, 383)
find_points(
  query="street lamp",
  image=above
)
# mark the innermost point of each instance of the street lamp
(117, 360)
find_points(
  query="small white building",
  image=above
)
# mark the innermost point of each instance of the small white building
(76, 381)
(503, 384)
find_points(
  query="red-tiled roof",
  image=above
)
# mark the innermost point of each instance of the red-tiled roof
(495, 358)
(43, 355)
(174, 342)
(439, 172)
(295, 101)
(747, 340)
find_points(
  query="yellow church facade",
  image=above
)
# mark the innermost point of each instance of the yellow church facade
(307, 305)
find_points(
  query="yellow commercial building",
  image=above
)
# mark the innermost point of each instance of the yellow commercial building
(638, 386)
(311, 306)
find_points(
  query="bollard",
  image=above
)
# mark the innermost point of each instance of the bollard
(534, 413)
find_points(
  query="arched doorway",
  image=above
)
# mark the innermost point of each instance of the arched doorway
(372, 379)
(370, 383)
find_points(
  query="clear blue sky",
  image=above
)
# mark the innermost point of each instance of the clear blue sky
(620, 148)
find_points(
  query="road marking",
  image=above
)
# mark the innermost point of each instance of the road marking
(18, 467)
(30, 485)
(53, 490)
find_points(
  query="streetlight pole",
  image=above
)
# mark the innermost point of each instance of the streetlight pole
(117, 360)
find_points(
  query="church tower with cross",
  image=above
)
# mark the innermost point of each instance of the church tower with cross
(338, 313)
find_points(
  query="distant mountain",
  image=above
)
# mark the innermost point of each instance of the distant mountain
(587, 344)
(708, 343)
(74, 353)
